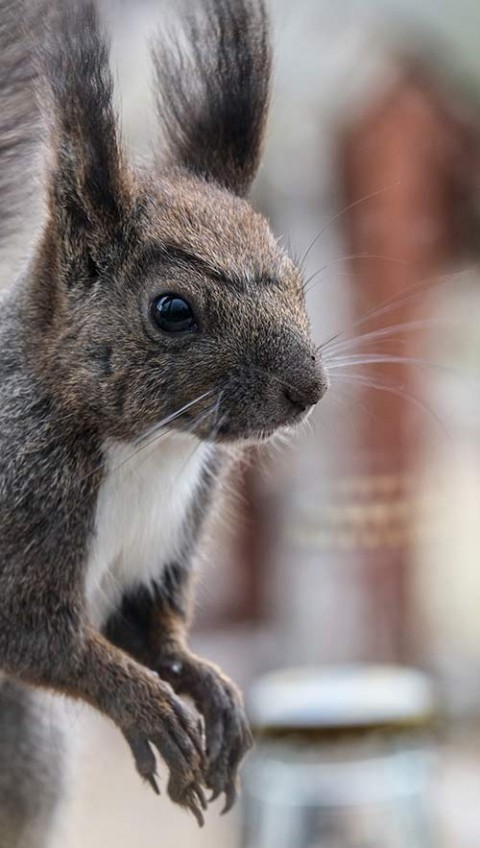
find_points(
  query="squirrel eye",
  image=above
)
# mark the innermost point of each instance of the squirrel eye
(173, 314)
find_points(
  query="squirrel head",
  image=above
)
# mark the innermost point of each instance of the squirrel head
(162, 297)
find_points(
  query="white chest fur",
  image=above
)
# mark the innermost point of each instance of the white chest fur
(141, 509)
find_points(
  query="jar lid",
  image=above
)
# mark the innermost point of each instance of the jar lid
(352, 698)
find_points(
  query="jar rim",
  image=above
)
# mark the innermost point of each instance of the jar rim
(342, 700)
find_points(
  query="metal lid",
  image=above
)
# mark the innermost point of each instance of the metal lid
(350, 698)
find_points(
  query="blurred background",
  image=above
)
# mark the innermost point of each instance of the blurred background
(358, 541)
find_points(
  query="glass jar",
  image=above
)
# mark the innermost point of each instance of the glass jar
(343, 760)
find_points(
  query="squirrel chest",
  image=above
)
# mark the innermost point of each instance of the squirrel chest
(140, 523)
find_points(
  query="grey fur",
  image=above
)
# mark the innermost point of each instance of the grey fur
(31, 776)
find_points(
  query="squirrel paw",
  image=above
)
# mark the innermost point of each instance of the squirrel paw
(228, 736)
(174, 731)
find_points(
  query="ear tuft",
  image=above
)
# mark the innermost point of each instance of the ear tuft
(87, 181)
(213, 97)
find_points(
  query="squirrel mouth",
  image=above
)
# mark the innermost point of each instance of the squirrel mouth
(258, 434)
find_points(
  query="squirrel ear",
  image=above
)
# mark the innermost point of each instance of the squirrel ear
(87, 180)
(213, 100)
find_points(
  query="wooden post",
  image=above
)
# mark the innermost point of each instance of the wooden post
(405, 147)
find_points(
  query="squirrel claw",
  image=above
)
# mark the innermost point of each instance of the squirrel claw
(153, 783)
(215, 794)
(230, 798)
(195, 800)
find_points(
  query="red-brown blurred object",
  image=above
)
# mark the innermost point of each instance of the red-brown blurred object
(416, 153)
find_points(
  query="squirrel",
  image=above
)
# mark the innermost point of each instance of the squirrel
(157, 323)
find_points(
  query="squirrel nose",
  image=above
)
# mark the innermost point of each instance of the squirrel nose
(306, 394)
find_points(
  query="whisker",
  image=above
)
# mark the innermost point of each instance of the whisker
(172, 417)
(340, 400)
(353, 379)
(342, 212)
(324, 345)
(218, 419)
(144, 442)
(195, 422)
(398, 300)
(412, 293)
(161, 433)
(159, 436)
(384, 332)
(383, 359)
(356, 256)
